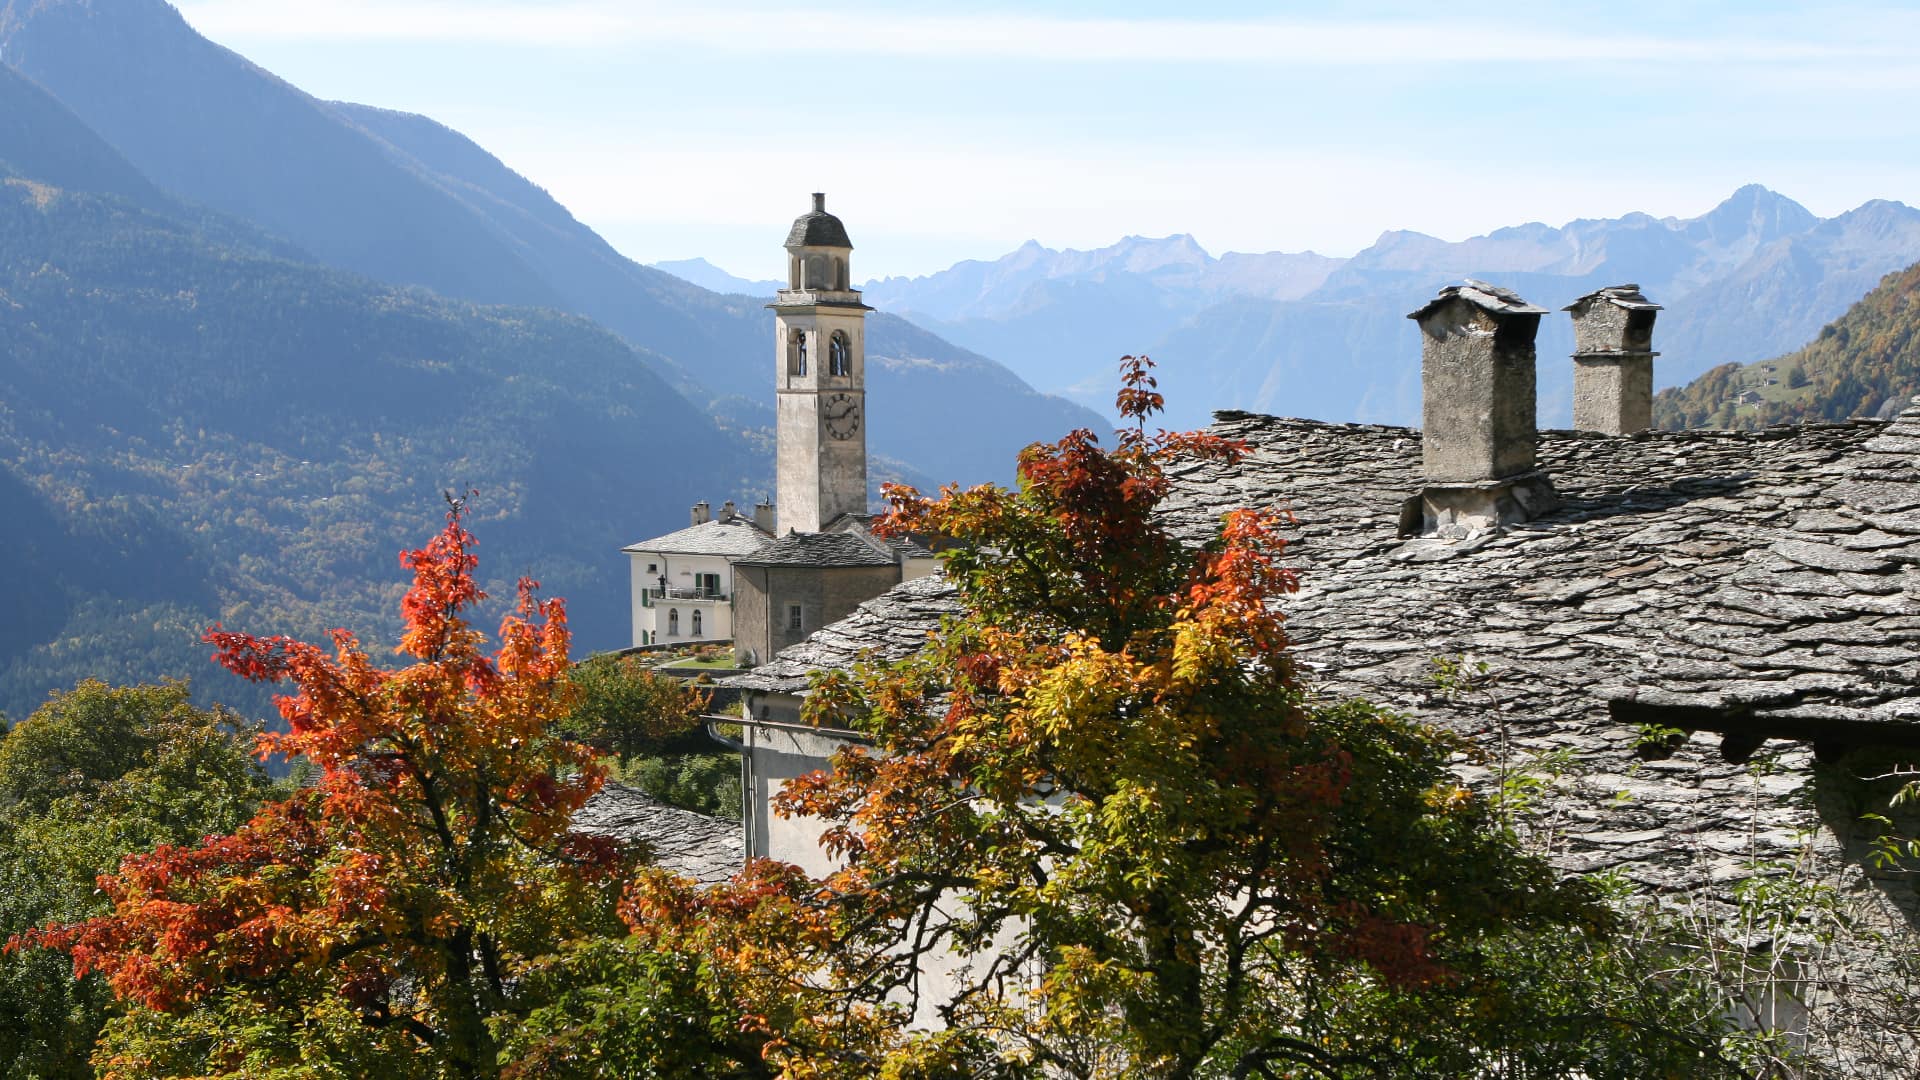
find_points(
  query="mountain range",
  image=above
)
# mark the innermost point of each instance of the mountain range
(249, 338)
(1308, 335)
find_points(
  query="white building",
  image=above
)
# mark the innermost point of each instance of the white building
(683, 581)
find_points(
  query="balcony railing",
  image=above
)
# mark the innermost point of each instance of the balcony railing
(652, 596)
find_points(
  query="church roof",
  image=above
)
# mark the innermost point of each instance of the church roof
(817, 228)
(707, 849)
(889, 627)
(729, 538)
(825, 549)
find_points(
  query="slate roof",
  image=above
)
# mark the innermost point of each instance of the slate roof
(904, 546)
(1758, 581)
(1494, 298)
(832, 549)
(707, 849)
(891, 626)
(1772, 576)
(817, 228)
(731, 538)
(1621, 296)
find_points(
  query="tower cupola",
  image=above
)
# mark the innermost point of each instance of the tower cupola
(817, 251)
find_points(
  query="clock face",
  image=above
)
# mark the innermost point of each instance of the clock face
(840, 413)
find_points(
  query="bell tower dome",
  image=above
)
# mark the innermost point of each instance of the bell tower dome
(820, 378)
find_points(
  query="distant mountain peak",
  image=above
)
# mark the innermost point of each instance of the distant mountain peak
(700, 272)
(1760, 210)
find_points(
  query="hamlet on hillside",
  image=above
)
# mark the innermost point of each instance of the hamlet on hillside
(1740, 590)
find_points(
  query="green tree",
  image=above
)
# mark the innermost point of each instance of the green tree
(652, 724)
(626, 709)
(97, 774)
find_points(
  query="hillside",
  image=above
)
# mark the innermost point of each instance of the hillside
(39, 137)
(1861, 364)
(194, 430)
(403, 199)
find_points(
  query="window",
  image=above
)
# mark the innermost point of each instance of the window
(839, 354)
(797, 353)
(793, 616)
(653, 568)
(673, 622)
(696, 624)
(708, 584)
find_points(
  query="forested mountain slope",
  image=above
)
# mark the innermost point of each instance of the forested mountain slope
(39, 137)
(1865, 363)
(194, 430)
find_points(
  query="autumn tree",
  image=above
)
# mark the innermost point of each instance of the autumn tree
(379, 922)
(1109, 792)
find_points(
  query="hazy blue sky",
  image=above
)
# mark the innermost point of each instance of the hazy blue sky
(698, 127)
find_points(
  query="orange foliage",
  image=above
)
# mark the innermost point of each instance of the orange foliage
(433, 851)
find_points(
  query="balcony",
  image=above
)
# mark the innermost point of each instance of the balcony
(650, 597)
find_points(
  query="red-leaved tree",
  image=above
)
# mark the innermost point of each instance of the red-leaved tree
(386, 910)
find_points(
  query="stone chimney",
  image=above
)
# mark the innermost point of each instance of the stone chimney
(1477, 414)
(1613, 360)
(702, 512)
(727, 512)
(763, 517)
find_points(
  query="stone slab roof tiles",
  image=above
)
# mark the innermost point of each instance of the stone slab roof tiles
(1621, 296)
(889, 627)
(1494, 298)
(730, 539)
(1766, 581)
(1769, 575)
(904, 546)
(832, 549)
(707, 849)
(817, 228)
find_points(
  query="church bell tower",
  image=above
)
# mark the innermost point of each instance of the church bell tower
(821, 378)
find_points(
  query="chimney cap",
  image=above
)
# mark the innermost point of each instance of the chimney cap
(1488, 297)
(1622, 296)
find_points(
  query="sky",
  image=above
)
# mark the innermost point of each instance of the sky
(951, 131)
